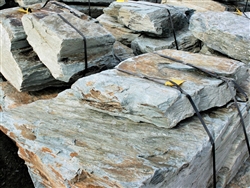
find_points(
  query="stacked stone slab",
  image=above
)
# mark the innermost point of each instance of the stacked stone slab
(96, 6)
(61, 47)
(144, 25)
(19, 64)
(80, 147)
(135, 98)
(224, 32)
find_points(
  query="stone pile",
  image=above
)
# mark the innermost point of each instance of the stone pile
(147, 26)
(88, 146)
(19, 64)
(128, 126)
(95, 9)
(30, 41)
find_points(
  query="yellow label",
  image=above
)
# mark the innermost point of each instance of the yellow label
(178, 82)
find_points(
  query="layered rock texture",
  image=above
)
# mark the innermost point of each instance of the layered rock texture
(149, 26)
(19, 64)
(224, 32)
(61, 47)
(129, 126)
(198, 5)
(80, 147)
(124, 96)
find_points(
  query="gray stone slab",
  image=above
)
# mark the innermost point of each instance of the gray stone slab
(19, 64)
(60, 47)
(150, 18)
(224, 32)
(79, 147)
(119, 31)
(141, 100)
(185, 41)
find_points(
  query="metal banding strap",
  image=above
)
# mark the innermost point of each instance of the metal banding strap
(84, 40)
(195, 109)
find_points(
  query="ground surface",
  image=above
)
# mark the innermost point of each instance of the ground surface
(13, 171)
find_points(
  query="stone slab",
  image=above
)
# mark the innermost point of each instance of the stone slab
(198, 5)
(82, 148)
(119, 31)
(95, 2)
(138, 99)
(224, 32)
(51, 37)
(185, 41)
(19, 64)
(150, 18)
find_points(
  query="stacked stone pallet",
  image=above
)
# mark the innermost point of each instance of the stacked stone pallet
(98, 141)
(125, 127)
(147, 26)
(30, 41)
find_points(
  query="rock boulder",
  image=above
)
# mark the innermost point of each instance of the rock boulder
(224, 32)
(60, 47)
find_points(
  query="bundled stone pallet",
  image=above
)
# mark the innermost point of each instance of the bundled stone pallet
(19, 64)
(147, 26)
(84, 146)
(55, 43)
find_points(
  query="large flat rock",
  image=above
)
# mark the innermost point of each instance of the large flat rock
(51, 37)
(80, 148)
(149, 18)
(225, 32)
(19, 64)
(138, 99)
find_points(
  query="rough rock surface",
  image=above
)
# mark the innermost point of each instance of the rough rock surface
(51, 37)
(119, 31)
(11, 98)
(19, 64)
(198, 5)
(81, 148)
(185, 41)
(149, 18)
(224, 32)
(95, 11)
(95, 2)
(2, 2)
(119, 94)
(122, 52)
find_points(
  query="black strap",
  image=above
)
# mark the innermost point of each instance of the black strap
(89, 8)
(195, 109)
(228, 81)
(171, 22)
(245, 9)
(84, 40)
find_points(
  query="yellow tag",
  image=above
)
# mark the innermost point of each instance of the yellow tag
(121, 1)
(238, 12)
(178, 82)
(25, 10)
